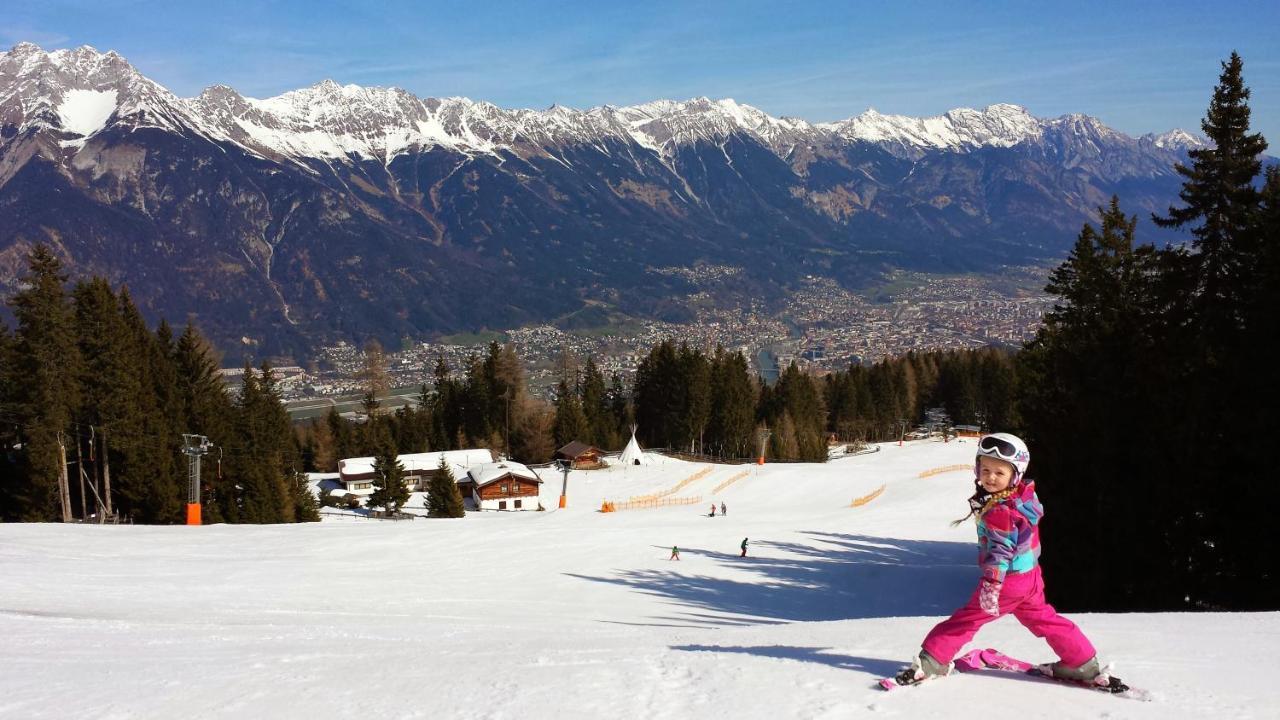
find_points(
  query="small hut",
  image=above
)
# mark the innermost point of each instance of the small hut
(581, 456)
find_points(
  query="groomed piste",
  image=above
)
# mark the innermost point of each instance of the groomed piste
(575, 613)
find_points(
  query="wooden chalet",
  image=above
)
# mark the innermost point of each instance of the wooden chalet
(503, 485)
(581, 456)
(357, 473)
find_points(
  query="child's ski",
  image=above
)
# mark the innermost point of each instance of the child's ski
(990, 659)
(906, 678)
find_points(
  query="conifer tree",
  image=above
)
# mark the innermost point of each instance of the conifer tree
(305, 506)
(802, 405)
(265, 467)
(1262, 313)
(731, 425)
(885, 403)
(475, 402)
(997, 383)
(146, 475)
(599, 428)
(10, 430)
(281, 443)
(45, 388)
(511, 413)
(206, 406)
(408, 429)
(570, 423)
(389, 490)
(443, 497)
(109, 379)
(443, 405)
(1222, 335)
(1092, 368)
(1222, 205)
(659, 397)
(621, 410)
(695, 377)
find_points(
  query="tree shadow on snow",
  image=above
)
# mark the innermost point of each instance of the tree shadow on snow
(833, 576)
(876, 667)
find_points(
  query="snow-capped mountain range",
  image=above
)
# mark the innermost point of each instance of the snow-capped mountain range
(287, 212)
(79, 91)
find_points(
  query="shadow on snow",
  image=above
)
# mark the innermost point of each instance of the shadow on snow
(834, 576)
(874, 667)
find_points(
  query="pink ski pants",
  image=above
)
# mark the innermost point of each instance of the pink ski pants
(1021, 595)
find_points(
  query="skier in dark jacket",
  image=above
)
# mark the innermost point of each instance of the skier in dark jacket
(744, 547)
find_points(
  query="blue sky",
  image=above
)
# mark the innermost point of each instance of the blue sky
(1139, 66)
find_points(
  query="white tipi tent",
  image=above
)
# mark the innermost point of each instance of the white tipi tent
(633, 455)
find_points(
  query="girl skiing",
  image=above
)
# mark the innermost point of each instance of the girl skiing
(1007, 513)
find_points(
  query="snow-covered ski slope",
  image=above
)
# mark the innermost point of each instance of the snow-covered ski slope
(577, 614)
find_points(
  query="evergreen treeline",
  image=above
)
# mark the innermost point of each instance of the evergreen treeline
(590, 411)
(712, 404)
(1148, 398)
(682, 399)
(82, 376)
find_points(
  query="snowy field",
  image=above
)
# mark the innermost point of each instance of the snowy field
(577, 614)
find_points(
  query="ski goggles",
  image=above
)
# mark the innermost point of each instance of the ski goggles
(1002, 449)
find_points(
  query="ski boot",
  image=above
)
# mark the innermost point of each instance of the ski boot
(923, 667)
(1085, 674)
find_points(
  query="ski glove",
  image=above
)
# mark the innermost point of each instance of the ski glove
(989, 597)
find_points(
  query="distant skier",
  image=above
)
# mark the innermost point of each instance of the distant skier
(713, 509)
(675, 553)
(744, 547)
(723, 510)
(1008, 514)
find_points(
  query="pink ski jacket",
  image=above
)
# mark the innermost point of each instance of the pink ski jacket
(1009, 536)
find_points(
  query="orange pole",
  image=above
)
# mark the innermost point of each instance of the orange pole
(193, 513)
(760, 460)
(561, 502)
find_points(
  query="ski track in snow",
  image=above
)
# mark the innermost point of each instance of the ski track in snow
(574, 613)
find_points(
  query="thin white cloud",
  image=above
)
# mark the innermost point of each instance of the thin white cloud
(13, 34)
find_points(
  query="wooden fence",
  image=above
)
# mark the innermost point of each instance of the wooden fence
(859, 502)
(945, 469)
(730, 481)
(673, 490)
(656, 502)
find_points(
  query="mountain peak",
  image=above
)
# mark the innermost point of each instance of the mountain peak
(1177, 139)
(25, 48)
(1006, 108)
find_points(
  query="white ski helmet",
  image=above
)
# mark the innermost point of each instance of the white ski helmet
(1003, 446)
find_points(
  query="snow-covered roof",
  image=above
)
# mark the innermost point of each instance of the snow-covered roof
(418, 463)
(486, 473)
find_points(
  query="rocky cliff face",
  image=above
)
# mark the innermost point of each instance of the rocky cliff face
(343, 212)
